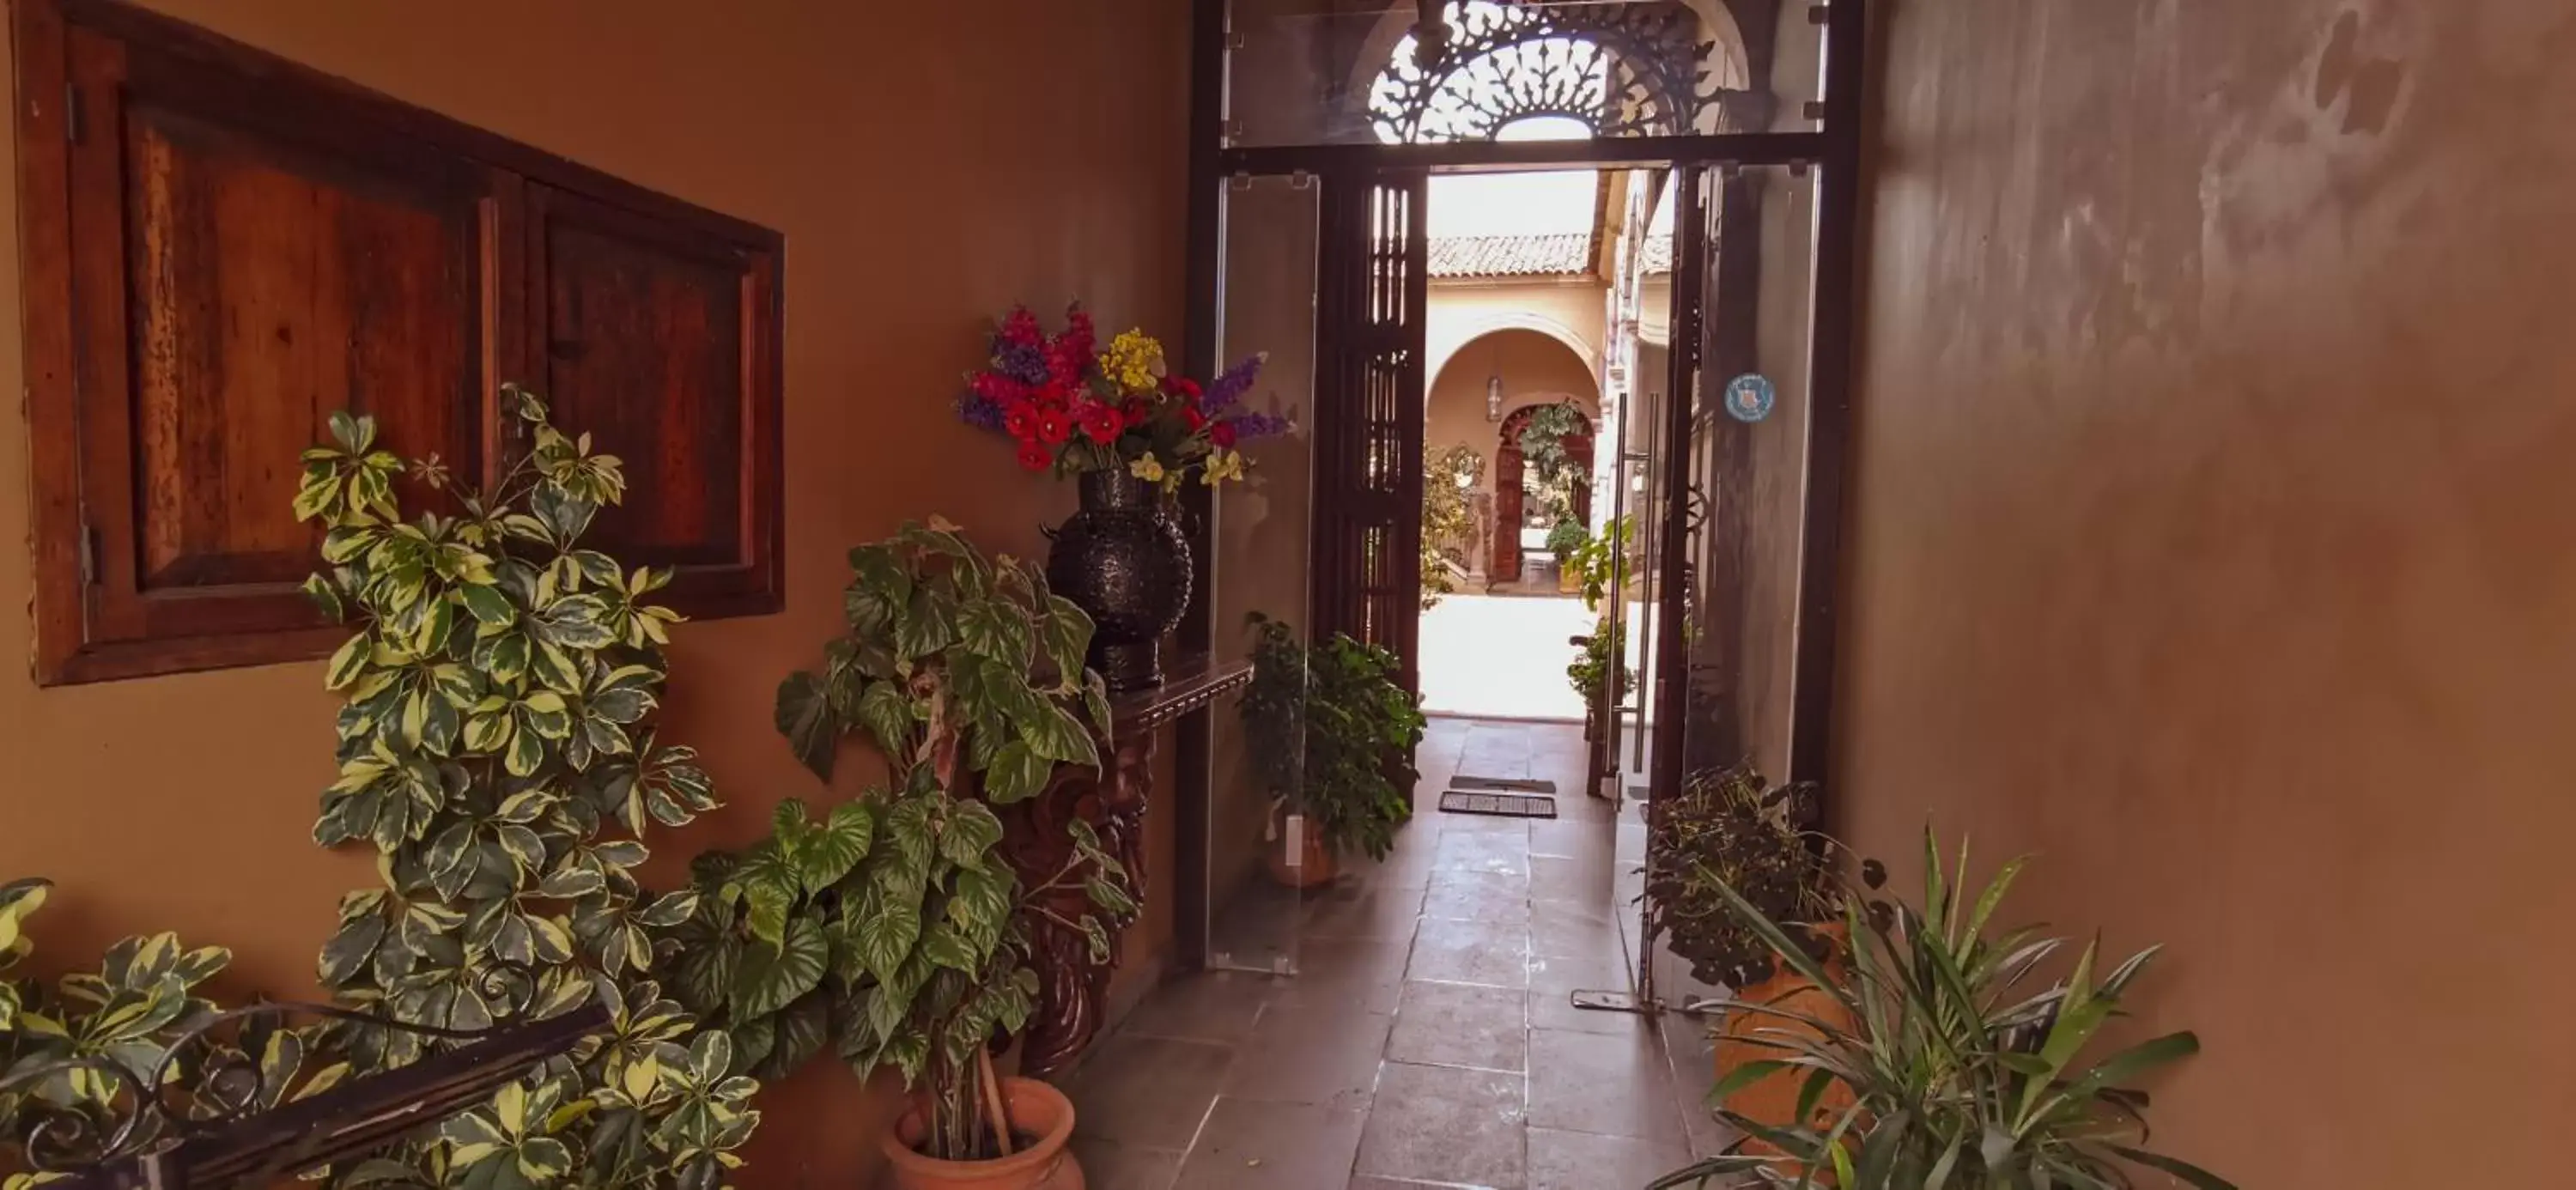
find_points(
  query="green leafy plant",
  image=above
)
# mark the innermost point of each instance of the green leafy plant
(893, 923)
(1591, 667)
(1957, 1078)
(1727, 830)
(496, 751)
(1448, 474)
(1330, 735)
(1567, 537)
(78, 1058)
(1596, 564)
(1551, 465)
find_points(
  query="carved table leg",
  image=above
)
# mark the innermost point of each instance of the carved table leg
(1073, 991)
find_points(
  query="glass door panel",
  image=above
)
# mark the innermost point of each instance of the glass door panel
(1262, 527)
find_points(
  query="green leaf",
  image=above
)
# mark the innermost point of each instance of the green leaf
(888, 715)
(488, 605)
(996, 628)
(836, 846)
(802, 1029)
(350, 661)
(947, 946)
(805, 717)
(971, 832)
(1055, 734)
(1016, 774)
(1066, 633)
(887, 928)
(769, 977)
(2198, 1177)
(928, 625)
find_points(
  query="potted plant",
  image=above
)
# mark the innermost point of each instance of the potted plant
(1596, 563)
(1589, 674)
(1564, 542)
(1130, 432)
(1330, 737)
(892, 927)
(1729, 829)
(1949, 1073)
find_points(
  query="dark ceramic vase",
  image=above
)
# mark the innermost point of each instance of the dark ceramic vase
(1124, 559)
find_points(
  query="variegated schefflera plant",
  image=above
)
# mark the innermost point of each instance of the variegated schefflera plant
(76, 1055)
(497, 751)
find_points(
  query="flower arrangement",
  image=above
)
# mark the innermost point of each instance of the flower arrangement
(1074, 406)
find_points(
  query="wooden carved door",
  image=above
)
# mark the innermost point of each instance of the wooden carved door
(1370, 299)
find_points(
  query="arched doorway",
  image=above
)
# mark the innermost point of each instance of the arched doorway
(1511, 505)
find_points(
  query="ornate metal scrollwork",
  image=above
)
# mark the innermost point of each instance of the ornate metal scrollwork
(1472, 68)
(221, 1073)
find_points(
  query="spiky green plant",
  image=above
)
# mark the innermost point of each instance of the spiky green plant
(1959, 1080)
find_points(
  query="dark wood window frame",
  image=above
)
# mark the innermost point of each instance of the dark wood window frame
(93, 619)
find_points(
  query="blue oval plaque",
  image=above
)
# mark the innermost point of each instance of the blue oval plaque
(1749, 397)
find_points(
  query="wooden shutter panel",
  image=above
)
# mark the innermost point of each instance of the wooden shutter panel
(659, 336)
(220, 248)
(1373, 285)
(239, 268)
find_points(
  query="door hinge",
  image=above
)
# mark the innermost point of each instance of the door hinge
(88, 554)
(75, 121)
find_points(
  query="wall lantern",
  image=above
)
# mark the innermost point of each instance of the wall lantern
(1493, 398)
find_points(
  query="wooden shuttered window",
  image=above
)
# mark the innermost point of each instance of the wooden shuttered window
(220, 248)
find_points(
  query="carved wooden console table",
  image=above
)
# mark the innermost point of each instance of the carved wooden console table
(1073, 991)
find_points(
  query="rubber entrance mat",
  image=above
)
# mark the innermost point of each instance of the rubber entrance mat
(1501, 805)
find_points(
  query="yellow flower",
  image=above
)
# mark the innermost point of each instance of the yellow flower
(1148, 468)
(1223, 465)
(1134, 360)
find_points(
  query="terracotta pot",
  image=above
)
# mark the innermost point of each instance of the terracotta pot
(1773, 1099)
(1035, 1109)
(1306, 864)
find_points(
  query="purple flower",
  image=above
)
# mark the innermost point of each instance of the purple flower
(1226, 391)
(1024, 362)
(1248, 426)
(976, 409)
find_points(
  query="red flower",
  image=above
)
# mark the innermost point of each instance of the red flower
(1103, 424)
(1022, 327)
(1191, 417)
(1019, 421)
(1222, 434)
(1135, 411)
(1054, 427)
(1000, 389)
(1035, 457)
(1184, 387)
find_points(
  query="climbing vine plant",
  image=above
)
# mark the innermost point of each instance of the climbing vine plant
(497, 751)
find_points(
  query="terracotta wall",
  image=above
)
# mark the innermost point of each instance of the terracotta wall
(2210, 537)
(929, 164)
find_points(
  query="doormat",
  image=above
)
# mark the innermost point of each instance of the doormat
(1518, 784)
(1500, 805)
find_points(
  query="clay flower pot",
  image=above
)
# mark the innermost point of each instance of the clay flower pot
(1298, 856)
(1035, 1110)
(1755, 1036)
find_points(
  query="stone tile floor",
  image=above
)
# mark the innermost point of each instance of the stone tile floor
(1426, 1039)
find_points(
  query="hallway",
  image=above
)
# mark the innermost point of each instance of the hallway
(1428, 1040)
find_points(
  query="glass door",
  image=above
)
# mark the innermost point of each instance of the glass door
(1260, 604)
